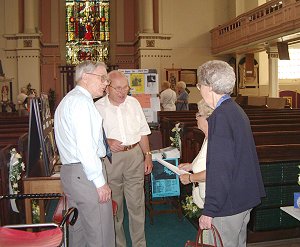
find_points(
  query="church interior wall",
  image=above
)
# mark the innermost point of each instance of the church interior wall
(189, 45)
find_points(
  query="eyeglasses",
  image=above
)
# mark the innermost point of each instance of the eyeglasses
(103, 78)
(121, 90)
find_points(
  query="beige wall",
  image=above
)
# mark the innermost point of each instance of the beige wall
(189, 28)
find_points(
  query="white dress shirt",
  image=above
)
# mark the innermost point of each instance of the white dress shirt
(126, 122)
(78, 133)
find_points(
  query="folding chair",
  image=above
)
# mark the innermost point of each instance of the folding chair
(50, 234)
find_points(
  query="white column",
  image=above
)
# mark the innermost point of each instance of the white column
(147, 10)
(273, 72)
(29, 16)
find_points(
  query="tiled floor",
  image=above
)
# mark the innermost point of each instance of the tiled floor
(280, 243)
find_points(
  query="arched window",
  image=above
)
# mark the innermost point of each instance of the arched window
(87, 30)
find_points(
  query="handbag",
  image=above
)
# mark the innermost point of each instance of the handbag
(199, 239)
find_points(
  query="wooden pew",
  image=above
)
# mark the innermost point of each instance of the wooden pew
(20, 130)
(279, 167)
(277, 137)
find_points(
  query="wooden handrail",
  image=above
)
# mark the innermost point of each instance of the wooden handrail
(273, 19)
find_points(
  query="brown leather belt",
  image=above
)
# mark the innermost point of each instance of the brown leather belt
(129, 147)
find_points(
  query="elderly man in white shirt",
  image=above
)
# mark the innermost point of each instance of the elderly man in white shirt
(126, 128)
(79, 138)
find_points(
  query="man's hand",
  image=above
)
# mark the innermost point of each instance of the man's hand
(205, 222)
(148, 164)
(104, 193)
(115, 145)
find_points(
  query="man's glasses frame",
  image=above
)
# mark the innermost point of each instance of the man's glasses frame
(121, 90)
(103, 78)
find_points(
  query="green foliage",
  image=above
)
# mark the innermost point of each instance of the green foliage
(16, 168)
(190, 209)
(176, 140)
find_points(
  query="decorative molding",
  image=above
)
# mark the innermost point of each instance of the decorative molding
(273, 55)
(21, 36)
(154, 36)
(27, 42)
(13, 57)
(150, 43)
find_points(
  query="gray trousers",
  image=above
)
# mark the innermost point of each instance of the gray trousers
(94, 226)
(233, 229)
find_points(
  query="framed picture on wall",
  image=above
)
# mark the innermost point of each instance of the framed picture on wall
(173, 76)
(189, 76)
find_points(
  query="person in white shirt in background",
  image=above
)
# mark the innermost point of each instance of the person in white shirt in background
(79, 138)
(22, 98)
(167, 97)
(126, 129)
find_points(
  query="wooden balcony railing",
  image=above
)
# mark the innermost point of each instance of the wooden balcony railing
(271, 20)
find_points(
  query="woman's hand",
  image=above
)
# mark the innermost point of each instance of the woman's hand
(185, 178)
(186, 166)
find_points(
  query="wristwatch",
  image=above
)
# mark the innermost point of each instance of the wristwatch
(148, 153)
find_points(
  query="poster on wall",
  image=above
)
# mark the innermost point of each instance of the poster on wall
(144, 86)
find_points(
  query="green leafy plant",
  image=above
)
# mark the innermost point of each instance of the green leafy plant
(190, 209)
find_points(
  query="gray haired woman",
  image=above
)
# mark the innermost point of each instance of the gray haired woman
(233, 179)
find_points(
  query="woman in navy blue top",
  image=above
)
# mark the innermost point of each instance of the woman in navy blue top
(233, 179)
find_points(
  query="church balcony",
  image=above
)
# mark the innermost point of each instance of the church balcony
(272, 22)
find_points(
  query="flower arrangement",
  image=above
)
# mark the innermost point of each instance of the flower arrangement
(176, 140)
(190, 208)
(16, 168)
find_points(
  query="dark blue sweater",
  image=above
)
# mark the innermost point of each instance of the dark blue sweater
(233, 178)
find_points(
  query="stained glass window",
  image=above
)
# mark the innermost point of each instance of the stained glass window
(87, 30)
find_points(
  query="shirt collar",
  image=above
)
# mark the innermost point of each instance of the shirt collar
(108, 101)
(84, 91)
(222, 99)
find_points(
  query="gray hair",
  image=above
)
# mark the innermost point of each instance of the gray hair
(181, 84)
(218, 75)
(86, 67)
(165, 85)
(204, 109)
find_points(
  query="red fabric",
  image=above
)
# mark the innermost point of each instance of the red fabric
(115, 207)
(18, 238)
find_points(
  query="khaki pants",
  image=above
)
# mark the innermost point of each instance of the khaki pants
(126, 179)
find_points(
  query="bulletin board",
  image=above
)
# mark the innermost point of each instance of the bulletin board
(164, 182)
(42, 150)
(144, 84)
